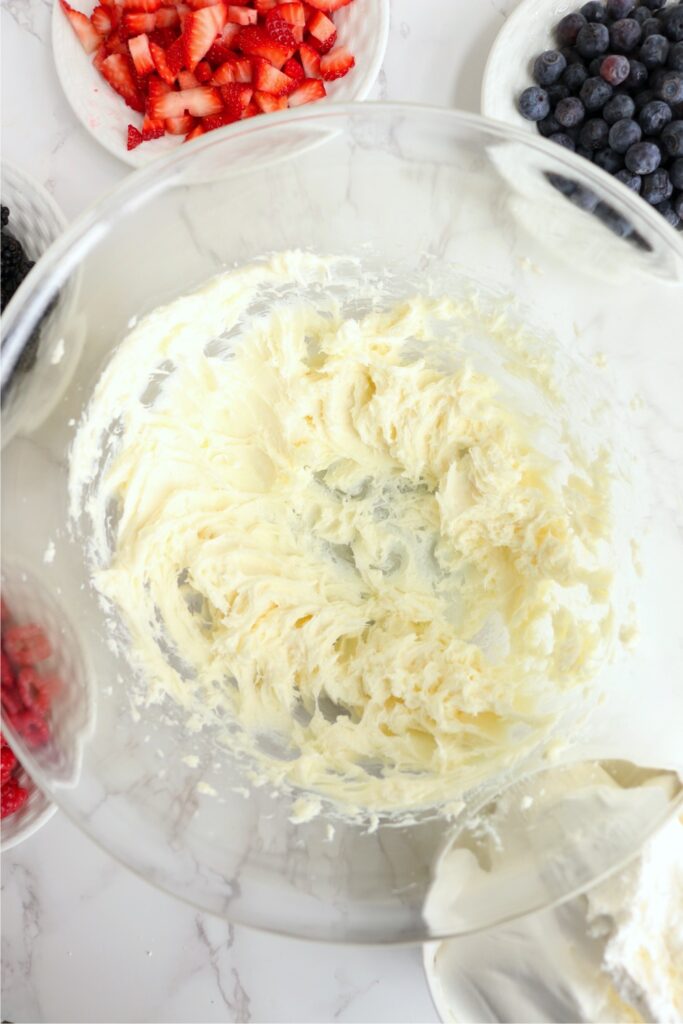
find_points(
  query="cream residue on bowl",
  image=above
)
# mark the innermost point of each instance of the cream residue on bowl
(321, 515)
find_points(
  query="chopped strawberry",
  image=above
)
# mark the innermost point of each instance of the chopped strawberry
(156, 87)
(251, 110)
(203, 72)
(255, 42)
(166, 17)
(336, 64)
(100, 56)
(322, 31)
(266, 102)
(175, 55)
(310, 60)
(279, 29)
(292, 68)
(135, 22)
(265, 5)
(142, 57)
(229, 34)
(163, 37)
(269, 79)
(152, 128)
(187, 80)
(217, 121)
(199, 101)
(310, 90)
(141, 5)
(197, 5)
(217, 54)
(236, 98)
(89, 37)
(242, 70)
(328, 5)
(161, 64)
(241, 15)
(293, 13)
(115, 44)
(195, 133)
(179, 125)
(225, 74)
(201, 28)
(101, 19)
(120, 73)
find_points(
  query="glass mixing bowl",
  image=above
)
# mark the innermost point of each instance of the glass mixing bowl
(428, 195)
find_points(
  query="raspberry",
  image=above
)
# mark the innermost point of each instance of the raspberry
(13, 797)
(7, 674)
(25, 645)
(33, 728)
(27, 685)
(11, 702)
(7, 764)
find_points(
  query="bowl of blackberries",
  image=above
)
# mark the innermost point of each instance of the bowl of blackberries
(604, 80)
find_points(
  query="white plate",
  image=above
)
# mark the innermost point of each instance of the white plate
(526, 33)
(363, 26)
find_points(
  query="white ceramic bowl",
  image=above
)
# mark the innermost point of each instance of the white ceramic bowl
(363, 26)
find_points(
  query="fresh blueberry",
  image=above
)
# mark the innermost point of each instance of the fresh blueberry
(595, 92)
(678, 204)
(655, 79)
(632, 181)
(594, 134)
(654, 116)
(556, 92)
(592, 40)
(640, 15)
(637, 76)
(608, 160)
(654, 51)
(571, 55)
(654, 5)
(534, 103)
(562, 139)
(570, 112)
(673, 24)
(643, 158)
(624, 134)
(651, 27)
(657, 187)
(594, 11)
(675, 58)
(668, 213)
(575, 76)
(548, 67)
(595, 65)
(620, 8)
(641, 99)
(568, 28)
(676, 173)
(618, 107)
(672, 138)
(671, 88)
(624, 35)
(615, 69)
(547, 126)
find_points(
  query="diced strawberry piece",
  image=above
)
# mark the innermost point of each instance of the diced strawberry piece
(152, 128)
(141, 5)
(142, 57)
(119, 72)
(197, 5)
(195, 133)
(328, 5)
(293, 13)
(161, 64)
(269, 79)
(265, 5)
(236, 97)
(136, 22)
(310, 90)
(163, 37)
(336, 64)
(179, 125)
(217, 55)
(292, 68)
(203, 72)
(199, 102)
(310, 60)
(225, 74)
(156, 87)
(218, 121)
(266, 102)
(280, 30)
(323, 32)
(175, 55)
(101, 20)
(8, 763)
(201, 29)
(87, 34)
(187, 80)
(229, 34)
(12, 798)
(242, 70)
(251, 110)
(241, 15)
(33, 728)
(166, 17)
(25, 645)
(255, 42)
(115, 44)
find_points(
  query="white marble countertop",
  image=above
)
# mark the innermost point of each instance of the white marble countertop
(83, 939)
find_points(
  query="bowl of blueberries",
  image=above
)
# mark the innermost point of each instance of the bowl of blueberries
(604, 80)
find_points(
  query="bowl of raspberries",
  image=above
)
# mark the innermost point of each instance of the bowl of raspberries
(29, 685)
(603, 79)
